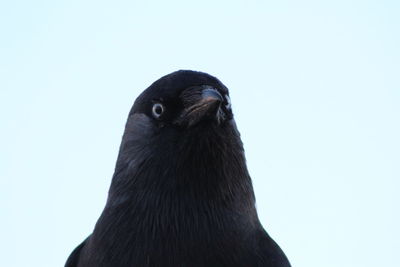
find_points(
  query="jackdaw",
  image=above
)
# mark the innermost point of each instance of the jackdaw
(181, 194)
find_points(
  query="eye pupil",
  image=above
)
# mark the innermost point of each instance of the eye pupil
(157, 110)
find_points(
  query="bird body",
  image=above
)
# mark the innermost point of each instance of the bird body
(181, 194)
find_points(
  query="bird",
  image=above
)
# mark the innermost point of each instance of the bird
(181, 194)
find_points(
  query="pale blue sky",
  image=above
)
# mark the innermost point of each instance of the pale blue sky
(315, 88)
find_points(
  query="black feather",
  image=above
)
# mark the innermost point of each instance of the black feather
(181, 194)
(73, 259)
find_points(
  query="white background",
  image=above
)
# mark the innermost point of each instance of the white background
(315, 90)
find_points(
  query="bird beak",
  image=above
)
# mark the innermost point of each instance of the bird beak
(206, 105)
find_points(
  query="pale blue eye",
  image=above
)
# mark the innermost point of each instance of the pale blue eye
(228, 102)
(157, 110)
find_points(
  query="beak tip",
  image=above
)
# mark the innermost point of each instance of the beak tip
(211, 95)
(207, 106)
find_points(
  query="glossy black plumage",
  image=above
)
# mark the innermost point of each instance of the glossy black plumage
(181, 194)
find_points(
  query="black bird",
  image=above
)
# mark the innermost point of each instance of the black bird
(181, 195)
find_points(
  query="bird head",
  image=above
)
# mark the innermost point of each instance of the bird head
(183, 100)
(181, 131)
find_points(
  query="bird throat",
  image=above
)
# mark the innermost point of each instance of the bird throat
(179, 201)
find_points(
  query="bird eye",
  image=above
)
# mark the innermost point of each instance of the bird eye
(157, 110)
(228, 102)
